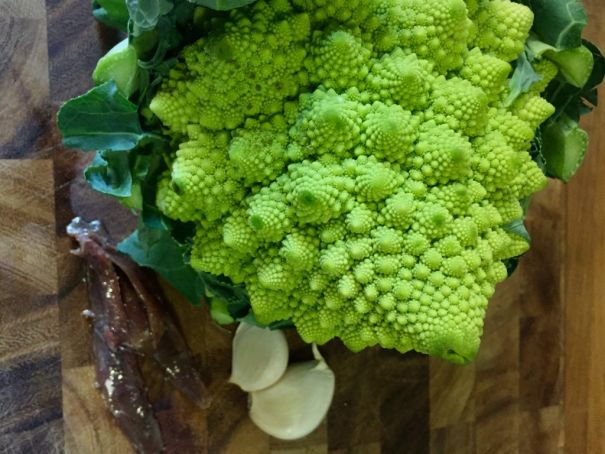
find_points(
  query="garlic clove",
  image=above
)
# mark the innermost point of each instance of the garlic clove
(297, 404)
(259, 358)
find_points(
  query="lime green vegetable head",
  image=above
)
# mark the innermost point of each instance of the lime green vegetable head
(356, 163)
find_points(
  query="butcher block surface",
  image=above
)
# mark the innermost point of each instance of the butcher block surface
(538, 385)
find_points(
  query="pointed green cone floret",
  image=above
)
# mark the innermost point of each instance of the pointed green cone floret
(353, 163)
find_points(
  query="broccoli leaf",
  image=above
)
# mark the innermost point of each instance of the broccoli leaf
(119, 65)
(573, 101)
(512, 265)
(560, 145)
(251, 320)
(111, 12)
(144, 14)
(158, 250)
(559, 23)
(518, 228)
(219, 311)
(109, 173)
(101, 119)
(565, 145)
(221, 314)
(575, 65)
(523, 78)
(222, 5)
(536, 150)
(232, 296)
(598, 73)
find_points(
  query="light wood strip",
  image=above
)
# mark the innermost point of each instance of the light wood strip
(30, 368)
(585, 286)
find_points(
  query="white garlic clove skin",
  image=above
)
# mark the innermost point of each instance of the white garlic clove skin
(297, 404)
(259, 358)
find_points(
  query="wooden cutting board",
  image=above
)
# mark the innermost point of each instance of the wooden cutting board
(537, 386)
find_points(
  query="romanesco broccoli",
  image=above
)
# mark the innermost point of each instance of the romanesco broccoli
(353, 163)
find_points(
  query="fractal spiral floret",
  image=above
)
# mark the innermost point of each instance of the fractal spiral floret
(354, 164)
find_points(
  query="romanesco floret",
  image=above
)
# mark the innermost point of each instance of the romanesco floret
(353, 163)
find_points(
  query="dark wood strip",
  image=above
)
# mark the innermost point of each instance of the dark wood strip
(541, 363)
(34, 9)
(28, 377)
(75, 44)
(23, 83)
(393, 415)
(404, 412)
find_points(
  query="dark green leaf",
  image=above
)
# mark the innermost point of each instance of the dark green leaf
(523, 78)
(236, 298)
(143, 167)
(283, 324)
(575, 65)
(158, 47)
(152, 217)
(158, 250)
(589, 91)
(525, 204)
(164, 38)
(559, 23)
(574, 102)
(111, 12)
(512, 265)
(250, 319)
(565, 145)
(536, 150)
(518, 228)
(148, 173)
(102, 119)
(222, 5)
(109, 173)
(145, 14)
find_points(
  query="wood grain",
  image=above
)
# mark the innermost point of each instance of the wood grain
(30, 367)
(538, 385)
(35, 9)
(24, 80)
(585, 286)
(75, 44)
